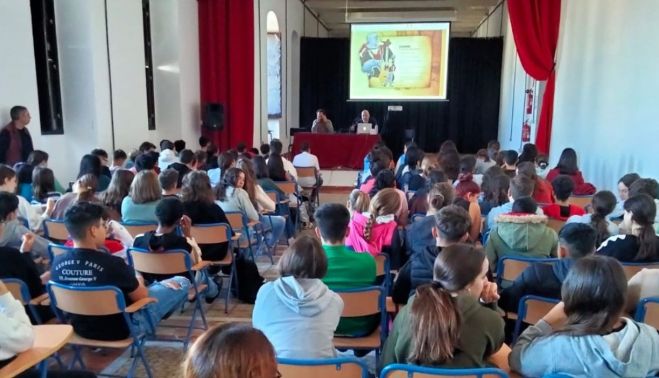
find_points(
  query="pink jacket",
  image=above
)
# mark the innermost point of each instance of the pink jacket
(381, 234)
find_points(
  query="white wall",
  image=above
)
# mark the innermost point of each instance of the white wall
(605, 102)
(294, 22)
(85, 75)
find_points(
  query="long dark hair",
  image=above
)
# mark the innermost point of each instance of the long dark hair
(229, 180)
(594, 293)
(496, 190)
(260, 167)
(90, 164)
(643, 211)
(567, 163)
(43, 182)
(603, 204)
(529, 153)
(118, 188)
(250, 180)
(276, 169)
(435, 317)
(197, 188)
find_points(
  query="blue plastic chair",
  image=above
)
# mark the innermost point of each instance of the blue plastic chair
(99, 301)
(54, 230)
(509, 267)
(632, 268)
(251, 235)
(344, 367)
(411, 371)
(56, 250)
(138, 228)
(531, 309)
(19, 290)
(172, 262)
(647, 311)
(365, 301)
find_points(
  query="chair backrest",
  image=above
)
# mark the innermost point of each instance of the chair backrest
(632, 268)
(166, 262)
(325, 368)
(54, 229)
(581, 201)
(555, 224)
(647, 311)
(56, 250)
(361, 302)
(235, 219)
(288, 187)
(381, 265)
(304, 172)
(135, 229)
(414, 371)
(18, 289)
(211, 233)
(509, 267)
(531, 309)
(273, 196)
(91, 301)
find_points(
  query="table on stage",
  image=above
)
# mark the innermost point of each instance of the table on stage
(48, 339)
(337, 150)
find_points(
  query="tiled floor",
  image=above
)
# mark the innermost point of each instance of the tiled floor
(160, 358)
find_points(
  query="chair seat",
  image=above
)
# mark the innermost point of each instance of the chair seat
(371, 341)
(117, 344)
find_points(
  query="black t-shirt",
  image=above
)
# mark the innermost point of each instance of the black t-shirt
(204, 213)
(160, 243)
(182, 170)
(624, 248)
(90, 268)
(14, 264)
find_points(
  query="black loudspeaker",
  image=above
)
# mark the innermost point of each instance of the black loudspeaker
(213, 118)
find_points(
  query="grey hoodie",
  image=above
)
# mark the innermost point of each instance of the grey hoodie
(11, 236)
(632, 351)
(298, 316)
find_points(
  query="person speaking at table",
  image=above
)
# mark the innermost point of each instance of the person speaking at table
(322, 125)
(365, 117)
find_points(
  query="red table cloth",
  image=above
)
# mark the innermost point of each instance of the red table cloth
(336, 151)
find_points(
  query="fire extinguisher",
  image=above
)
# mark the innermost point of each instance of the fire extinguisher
(526, 132)
(529, 101)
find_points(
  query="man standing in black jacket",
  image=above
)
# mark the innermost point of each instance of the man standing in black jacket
(15, 139)
(576, 240)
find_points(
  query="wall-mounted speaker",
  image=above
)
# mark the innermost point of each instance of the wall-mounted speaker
(213, 116)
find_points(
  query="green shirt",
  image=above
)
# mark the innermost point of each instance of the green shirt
(347, 269)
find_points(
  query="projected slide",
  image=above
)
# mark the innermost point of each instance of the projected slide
(399, 61)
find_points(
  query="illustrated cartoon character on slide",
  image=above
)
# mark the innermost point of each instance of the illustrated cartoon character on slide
(377, 58)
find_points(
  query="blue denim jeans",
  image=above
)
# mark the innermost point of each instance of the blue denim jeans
(168, 300)
(277, 229)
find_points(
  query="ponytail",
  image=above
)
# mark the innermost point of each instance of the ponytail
(647, 244)
(369, 227)
(603, 204)
(644, 210)
(601, 226)
(436, 323)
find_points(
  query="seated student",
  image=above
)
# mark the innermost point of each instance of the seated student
(232, 197)
(168, 180)
(306, 159)
(418, 204)
(264, 149)
(298, 312)
(84, 189)
(449, 322)
(201, 158)
(510, 163)
(529, 154)
(468, 190)
(119, 158)
(575, 240)
(376, 167)
(468, 166)
(14, 231)
(410, 172)
(44, 185)
(386, 180)
(520, 186)
(167, 154)
(15, 327)
(567, 165)
(358, 202)
(231, 350)
(543, 191)
(401, 162)
(521, 233)
(450, 226)
(586, 335)
(88, 266)
(179, 146)
(650, 187)
(91, 164)
(643, 284)
(639, 243)
(601, 206)
(418, 234)
(562, 209)
(166, 238)
(224, 162)
(483, 162)
(144, 195)
(624, 184)
(33, 215)
(495, 190)
(276, 149)
(103, 157)
(346, 269)
(370, 232)
(118, 189)
(187, 163)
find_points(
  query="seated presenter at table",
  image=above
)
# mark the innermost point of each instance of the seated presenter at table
(365, 117)
(322, 125)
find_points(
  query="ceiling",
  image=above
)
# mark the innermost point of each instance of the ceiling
(465, 15)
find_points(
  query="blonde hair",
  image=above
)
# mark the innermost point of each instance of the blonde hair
(145, 187)
(386, 202)
(231, 350)
(358, 201)
(86, 186)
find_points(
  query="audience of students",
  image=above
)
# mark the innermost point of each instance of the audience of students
(169, 183)
(575, 241)
(298, 312)
(586, 335)
(186, 163)
(167, 154)
(520, 186)
(562, 209)
(639, 243)
(143, 197)
(495, 188)
(510, 163)
(542, 189)
(119, 159)
(232, 197)
(102, 155)
(452, 321)
(34, 216)
(602, 205)
(370, 232)
(521, 233)
(14, 231)
(567, 165)
(84, 189)
(91, 165)
(418, 234)
(119, 188)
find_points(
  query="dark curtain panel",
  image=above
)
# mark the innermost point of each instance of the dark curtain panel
(470, 117)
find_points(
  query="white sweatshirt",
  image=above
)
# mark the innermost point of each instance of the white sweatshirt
(16, 333)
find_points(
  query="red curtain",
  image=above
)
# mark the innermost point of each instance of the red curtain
(226, 54)
(535, 25)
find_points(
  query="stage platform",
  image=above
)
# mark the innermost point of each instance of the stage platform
(338, 178)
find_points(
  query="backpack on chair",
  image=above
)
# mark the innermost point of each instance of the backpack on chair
(248, 280)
